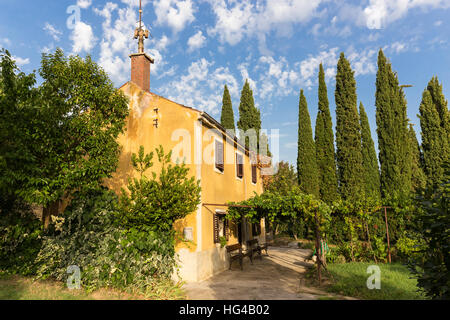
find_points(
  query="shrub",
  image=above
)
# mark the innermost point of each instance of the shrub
(20, 239)
(432, 268)
(107, 254)
(158, 201)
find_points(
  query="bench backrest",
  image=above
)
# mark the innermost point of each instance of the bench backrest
(233, 247)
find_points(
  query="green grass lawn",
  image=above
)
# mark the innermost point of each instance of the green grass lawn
(350, 279)
(14, 287)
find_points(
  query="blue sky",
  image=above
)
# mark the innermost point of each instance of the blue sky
(199, 46)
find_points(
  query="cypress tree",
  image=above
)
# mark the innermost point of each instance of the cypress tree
(392, 130)
(369, 157)
(348, 133)
(324, 138)
(306, 157)
(249, 115)
(433, 122)
(227, 116)
(418, 179)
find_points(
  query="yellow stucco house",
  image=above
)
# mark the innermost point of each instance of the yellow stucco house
(226, 169)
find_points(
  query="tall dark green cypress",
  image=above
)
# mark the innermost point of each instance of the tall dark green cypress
(324, 138)
(249, 115)
(348, 133)
(227, 116)
(435, 133)
(418, 178)
(306, 157)
(392, 130)
(369, 157)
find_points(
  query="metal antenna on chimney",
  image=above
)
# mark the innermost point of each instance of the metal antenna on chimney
(139, 33)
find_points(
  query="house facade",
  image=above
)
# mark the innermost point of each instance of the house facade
(227, 171)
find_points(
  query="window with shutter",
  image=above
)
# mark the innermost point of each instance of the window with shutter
(220, 227)
(219, 156)
(239, 165)
(254, 174)
(216, 228)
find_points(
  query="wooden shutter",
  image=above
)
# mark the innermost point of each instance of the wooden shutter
(254, 174)
(239, 165)
(219, 156)
(216, 228)
(227, 229)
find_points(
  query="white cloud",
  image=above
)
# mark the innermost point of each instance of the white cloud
(399, 47)
(52, 31)
(197, 41)
(236, 19)
(202, 86)
(176, 14)
(20, 61)
(4, 42)
(379, 13)
(84, 4)
(117, 41)
(83, 38)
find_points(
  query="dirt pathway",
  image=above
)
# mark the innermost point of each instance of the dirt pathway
(274, 277)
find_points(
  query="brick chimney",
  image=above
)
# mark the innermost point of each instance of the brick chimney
(140, 70)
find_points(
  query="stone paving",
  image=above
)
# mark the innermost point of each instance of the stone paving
(274, 277)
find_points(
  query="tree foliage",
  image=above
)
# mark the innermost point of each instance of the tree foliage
(392, 130)
(348, 133)
(432, 266)
(324, 141)
(227, 115)
(66, 139)
(161, 199)
(249, 117)
(306, 156)
(369, 157)
(434, 122)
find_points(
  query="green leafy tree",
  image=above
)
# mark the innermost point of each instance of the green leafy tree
(306, 157)
(369, 157)
(18, 101)
(161, 199)
(324, 139)
(283, 180)
(435, 132)
(249, 117)
(69, 132)
(432, 265)
(392, 129)
(227, 116)
(348, 133)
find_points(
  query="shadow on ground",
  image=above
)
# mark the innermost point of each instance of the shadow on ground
(274, 277)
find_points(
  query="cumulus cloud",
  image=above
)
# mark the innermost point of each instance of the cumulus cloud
(236, 19)
(117, 41)
(201, 86)
(52, 31)
(84, 4)
(379, 13)
(20, 61)
(197, 41)
(176, 14)
(83, 38)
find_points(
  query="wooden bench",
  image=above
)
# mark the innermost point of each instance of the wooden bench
(256, 247)
(235, 253)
